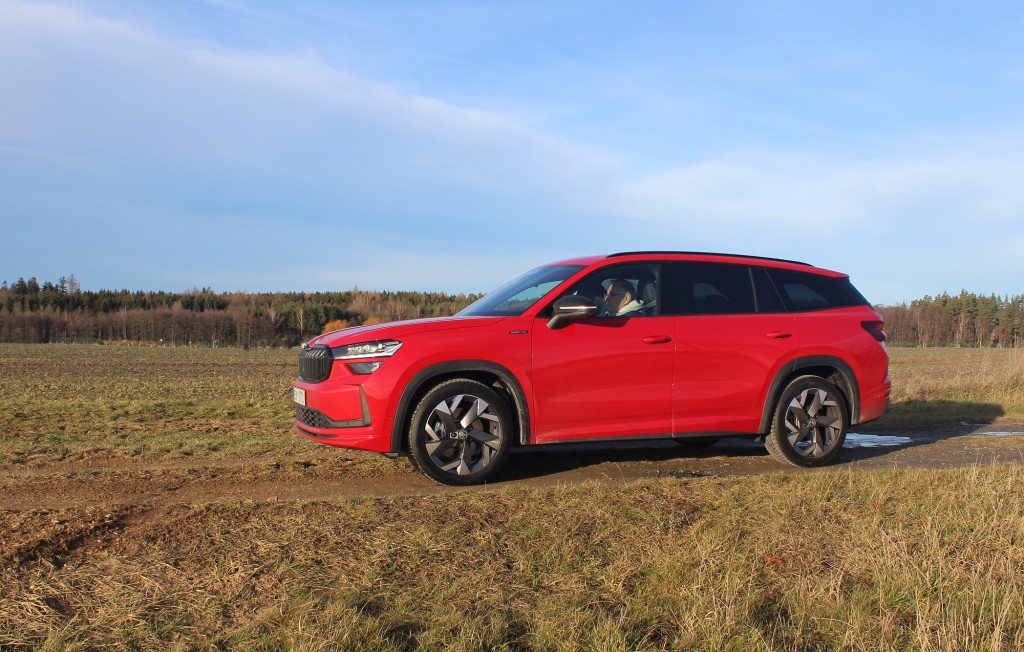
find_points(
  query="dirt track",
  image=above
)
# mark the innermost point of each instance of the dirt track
(107, 483)
(48, 510)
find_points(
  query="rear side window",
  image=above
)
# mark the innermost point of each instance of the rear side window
(709, 289)
(803, 292)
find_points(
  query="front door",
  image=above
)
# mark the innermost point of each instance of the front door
(609, 376)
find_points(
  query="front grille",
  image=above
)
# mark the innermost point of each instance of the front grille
(312, 418)
(315, 364)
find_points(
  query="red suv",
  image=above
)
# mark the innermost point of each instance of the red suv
(688, 346)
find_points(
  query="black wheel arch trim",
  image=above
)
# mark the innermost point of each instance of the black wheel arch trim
(849, 387)
(424, 376)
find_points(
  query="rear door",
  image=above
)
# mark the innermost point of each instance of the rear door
(732, 335)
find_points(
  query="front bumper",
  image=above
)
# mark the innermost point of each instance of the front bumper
(349, 410)
(363, 438)
(342, 403)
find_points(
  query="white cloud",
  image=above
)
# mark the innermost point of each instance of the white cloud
(144, 148)
(830, 196)
(902, 226)
(212, 122)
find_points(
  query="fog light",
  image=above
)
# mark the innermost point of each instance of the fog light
(363, 368)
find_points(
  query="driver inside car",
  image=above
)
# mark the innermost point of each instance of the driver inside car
(619, 299)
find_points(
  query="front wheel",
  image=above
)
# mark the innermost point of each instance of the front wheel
(809, 425)
(461, 433)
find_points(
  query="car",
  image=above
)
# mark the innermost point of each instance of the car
(688, 346)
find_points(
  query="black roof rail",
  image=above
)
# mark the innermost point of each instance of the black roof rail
(707, 253)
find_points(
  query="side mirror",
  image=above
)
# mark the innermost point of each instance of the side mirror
(569, 309)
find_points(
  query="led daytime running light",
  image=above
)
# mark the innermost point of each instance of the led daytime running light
(375, 349)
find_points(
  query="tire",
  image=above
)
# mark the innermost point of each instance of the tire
(809, 424)
(460, 433)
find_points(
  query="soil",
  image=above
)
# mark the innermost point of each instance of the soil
(49, 509)
(111, 482)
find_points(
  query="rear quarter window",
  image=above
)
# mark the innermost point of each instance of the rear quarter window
(768, 300)
(804, 292)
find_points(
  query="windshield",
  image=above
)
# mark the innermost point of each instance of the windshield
(515, 297)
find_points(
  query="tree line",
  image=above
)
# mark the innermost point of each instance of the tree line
(965, 319)
(31, 312)
(62, 311)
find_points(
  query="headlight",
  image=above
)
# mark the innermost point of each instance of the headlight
(376, 349)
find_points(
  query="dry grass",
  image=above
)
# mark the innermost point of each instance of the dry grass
(66, 401)
(899, 560)
(933, 386)
(60, 401)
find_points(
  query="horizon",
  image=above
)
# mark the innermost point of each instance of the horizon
(4, 283)
(304, 147)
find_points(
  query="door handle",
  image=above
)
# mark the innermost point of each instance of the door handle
(780, 335)
(657, 339)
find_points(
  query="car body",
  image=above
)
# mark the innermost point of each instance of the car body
(709, 346)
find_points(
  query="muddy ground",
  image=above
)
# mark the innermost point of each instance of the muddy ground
(324, 472)
(49, 509)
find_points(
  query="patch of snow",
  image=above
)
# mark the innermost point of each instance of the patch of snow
(857, 440)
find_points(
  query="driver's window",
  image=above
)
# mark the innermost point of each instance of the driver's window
(622, 290)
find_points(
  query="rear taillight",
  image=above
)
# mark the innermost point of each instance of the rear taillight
(875, 328)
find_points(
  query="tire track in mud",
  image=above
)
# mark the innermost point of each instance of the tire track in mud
(332, 473)
(48, 512)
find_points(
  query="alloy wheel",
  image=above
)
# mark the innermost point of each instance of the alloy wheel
(809, 424)
(463, 434)
(814, 422)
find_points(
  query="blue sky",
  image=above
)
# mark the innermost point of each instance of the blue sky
(451, 145)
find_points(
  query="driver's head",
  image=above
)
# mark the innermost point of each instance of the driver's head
(618, 294)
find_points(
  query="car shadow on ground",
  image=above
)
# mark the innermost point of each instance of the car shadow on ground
(939, 420)
(921, 423)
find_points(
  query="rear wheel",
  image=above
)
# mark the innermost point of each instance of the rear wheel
(461, 433)
(809, 425)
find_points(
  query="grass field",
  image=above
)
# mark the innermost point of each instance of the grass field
(939, 386)
(58, 401)
(841, 559)
(899, 560)
(67, 400)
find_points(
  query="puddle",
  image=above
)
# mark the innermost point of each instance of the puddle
(857, 440)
